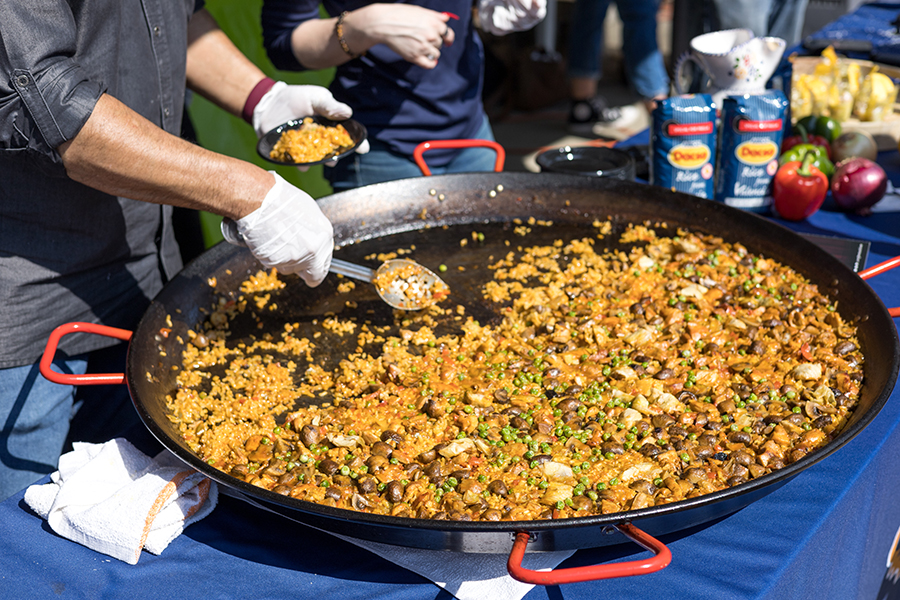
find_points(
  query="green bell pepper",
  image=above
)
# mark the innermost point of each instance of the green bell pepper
(827, 127)
(818, 153)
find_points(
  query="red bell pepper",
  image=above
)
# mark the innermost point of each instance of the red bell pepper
(798, 189)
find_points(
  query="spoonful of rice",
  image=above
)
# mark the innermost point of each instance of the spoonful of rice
(404, 284)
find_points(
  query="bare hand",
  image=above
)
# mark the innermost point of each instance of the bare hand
(415, 33)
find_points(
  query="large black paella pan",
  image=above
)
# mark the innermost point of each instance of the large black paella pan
(432, 214)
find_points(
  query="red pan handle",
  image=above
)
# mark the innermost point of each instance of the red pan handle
(87, 379)
(660, 560)
(881, 268)
(421, 148)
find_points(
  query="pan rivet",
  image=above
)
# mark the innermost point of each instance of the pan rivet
(610, 530)
(432, 192)
(499, 187)
(492, 193)
(441, 197)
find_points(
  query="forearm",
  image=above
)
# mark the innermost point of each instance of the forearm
(216, 69)
(413, 32)
(317, 47)
(121, 153)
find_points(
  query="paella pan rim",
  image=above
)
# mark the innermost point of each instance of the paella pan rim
(498, 197)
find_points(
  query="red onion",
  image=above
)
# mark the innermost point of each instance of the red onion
(857, 184)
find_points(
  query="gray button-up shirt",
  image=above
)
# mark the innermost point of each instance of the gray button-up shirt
(69, 252)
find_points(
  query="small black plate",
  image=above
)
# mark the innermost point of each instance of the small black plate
(592, 161)
(356, 130)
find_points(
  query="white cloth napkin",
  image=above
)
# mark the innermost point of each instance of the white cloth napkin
(115, 499)
(467, 576)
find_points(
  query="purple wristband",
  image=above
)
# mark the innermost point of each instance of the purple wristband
(256, 94)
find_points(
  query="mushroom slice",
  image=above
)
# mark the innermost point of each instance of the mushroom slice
(359, 502)
(345, 441)
(734, 323)
(641, 500)
(814, 410)
(623, 372)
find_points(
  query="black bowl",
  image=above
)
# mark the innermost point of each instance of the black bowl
(356, 130)
(592, 161)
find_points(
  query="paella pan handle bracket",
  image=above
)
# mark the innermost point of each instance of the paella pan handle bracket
(421, 148)
(86, 379)
(881, 268)
(660, 560)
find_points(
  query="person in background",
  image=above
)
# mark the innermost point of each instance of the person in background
(412, 71)
(644, 65)
(91, 106)
(778, 18)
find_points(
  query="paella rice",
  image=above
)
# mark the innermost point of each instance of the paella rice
(614, 381)
(311, 142)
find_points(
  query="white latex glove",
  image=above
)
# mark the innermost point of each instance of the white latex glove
(287, 232)
(285, 102)
(500, 17)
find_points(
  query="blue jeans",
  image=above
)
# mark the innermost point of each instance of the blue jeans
(38, 416)
(644, 64)
(380, 164)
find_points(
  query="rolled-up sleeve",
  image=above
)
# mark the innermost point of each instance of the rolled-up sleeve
(279, 19)
(45, 95)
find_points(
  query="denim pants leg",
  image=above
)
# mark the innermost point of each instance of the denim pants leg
(644, 63)
(381, 164)
(34, 422)
(471, 160)
(586, 38)
(40, 419)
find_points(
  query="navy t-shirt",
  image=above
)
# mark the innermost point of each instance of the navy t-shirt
(400, 104)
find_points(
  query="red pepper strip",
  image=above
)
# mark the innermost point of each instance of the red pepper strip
(798, 189)
(804, 352)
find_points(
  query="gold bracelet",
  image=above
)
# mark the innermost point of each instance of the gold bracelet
(339, 32)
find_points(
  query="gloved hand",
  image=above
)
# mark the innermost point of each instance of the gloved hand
(287, 232)
(285, 102)
(500, 17)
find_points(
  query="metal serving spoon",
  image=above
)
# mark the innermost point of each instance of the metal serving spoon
(402, 283)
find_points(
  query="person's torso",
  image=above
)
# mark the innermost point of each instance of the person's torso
(69, 252)
(402, 104)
